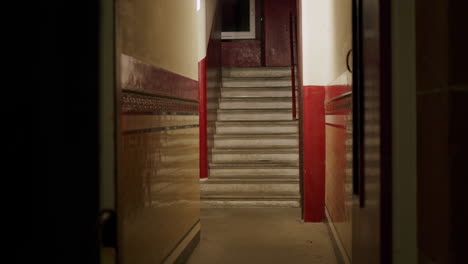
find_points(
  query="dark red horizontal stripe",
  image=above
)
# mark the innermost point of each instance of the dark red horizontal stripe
(138, 75)
(157, 129)
(341, 112)
(161, 113)
(137, 103)
(335, 125)
(333, 91)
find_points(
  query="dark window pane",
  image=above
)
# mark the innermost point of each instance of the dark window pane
(236, 15)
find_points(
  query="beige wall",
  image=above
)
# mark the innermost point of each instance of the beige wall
(326, 38)
(210, 13)
(162, 33)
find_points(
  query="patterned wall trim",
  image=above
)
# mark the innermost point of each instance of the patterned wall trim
(340, 105)
(140, 76)
(137, 102)
(157, 129)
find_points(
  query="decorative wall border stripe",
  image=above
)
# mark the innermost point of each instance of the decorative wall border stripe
(338, 98)
(341, 105)
(153, 94)
(139, 75)
(161, 113)
(134, 102)
(335, 125)
(157, 129)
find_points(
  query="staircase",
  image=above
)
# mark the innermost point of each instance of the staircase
(255, 157)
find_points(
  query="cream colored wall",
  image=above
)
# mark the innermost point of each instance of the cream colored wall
(326, 38)
(205, 16)
(210, 13)
(162, 33)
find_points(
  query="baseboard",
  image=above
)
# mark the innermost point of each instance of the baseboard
(337, 244)
(185, 247)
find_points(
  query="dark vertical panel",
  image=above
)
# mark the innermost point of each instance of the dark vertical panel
(277, 47)
(432, 130)
(458, 41)
(372, 218)
(55, 140)
(458, 128)
(241, 53)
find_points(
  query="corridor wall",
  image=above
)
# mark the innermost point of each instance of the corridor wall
(158, 182)
(326, 38)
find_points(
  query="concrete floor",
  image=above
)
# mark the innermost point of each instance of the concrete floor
(261, 235)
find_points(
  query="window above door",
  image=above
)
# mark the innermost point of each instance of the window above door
(238, 19)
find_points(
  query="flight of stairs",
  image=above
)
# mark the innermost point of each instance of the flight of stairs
(255, 157)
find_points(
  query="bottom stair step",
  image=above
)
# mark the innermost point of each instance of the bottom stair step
(250, 200)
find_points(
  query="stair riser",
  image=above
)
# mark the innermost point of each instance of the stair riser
(259, 73)
(254, 116)
(248, 204)
(256, 83)
(256, 143)
(264, 158)
(250, 187)
(273, 172)
(255, 105)
(255, 129)
(254, 92)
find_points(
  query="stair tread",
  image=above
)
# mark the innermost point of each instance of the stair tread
(276, 88)
(256, 78)
(250, 180)
(253, 165)
(251, 195)
(256, 68)
(265, 98)
(257, 122)
(255, 176)
(255, 150)
(255, 136)
(256, 110)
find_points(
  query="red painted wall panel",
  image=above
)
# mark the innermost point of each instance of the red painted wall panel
(277, 31)
(202, 118)
(242, 53)
(314, 153)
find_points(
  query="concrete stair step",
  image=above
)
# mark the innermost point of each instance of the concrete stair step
(253, 170)
(258, 199)
(256, 71)
(259, 203)
(256, 127)
(256, 82)
(256, 141)
(249, 186)
(249, 92)
(255, 103)
(253, 179)
(288, 156)
(254, 114)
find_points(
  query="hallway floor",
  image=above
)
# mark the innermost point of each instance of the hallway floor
(261, 235)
